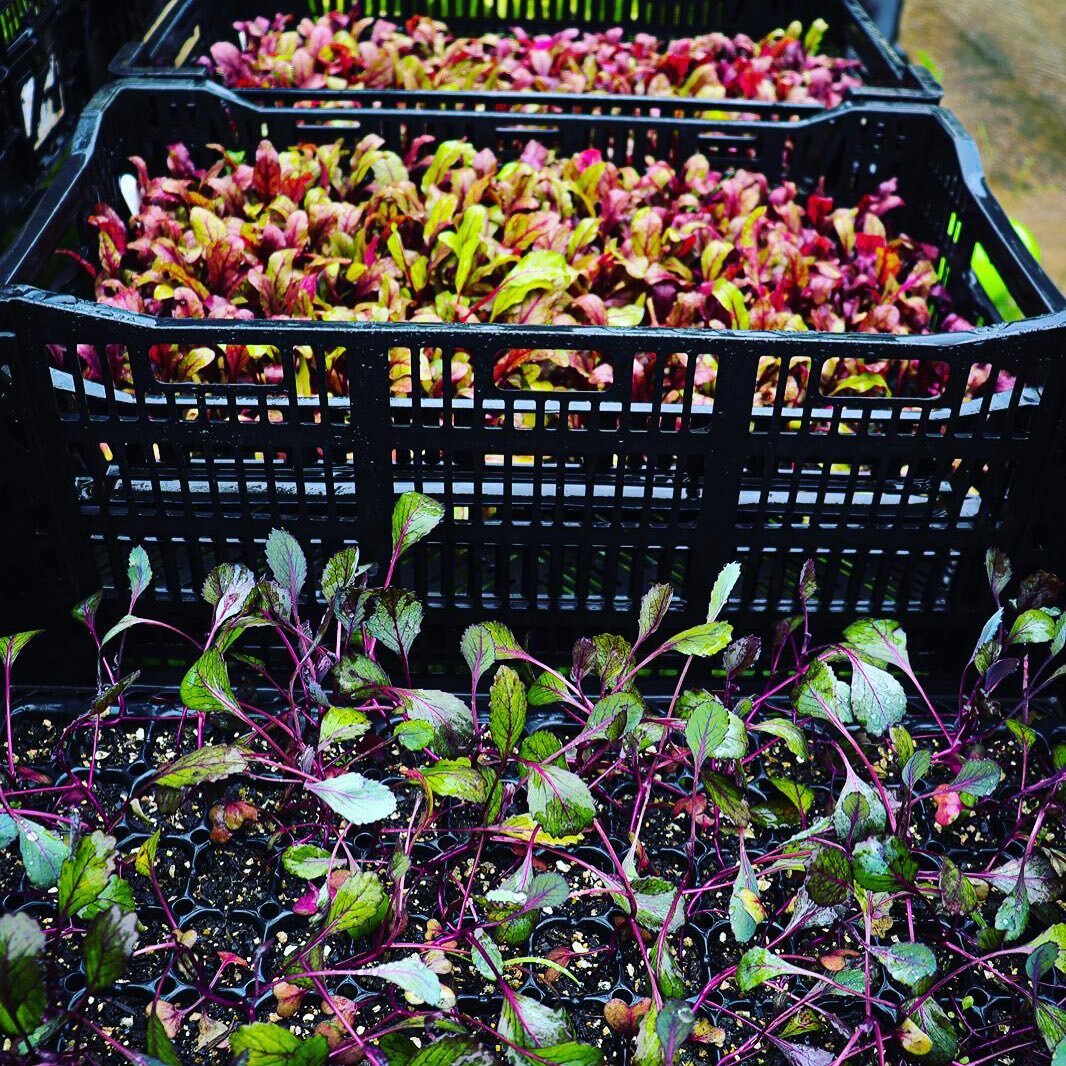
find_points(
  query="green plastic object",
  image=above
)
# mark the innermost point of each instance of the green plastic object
(989, 278)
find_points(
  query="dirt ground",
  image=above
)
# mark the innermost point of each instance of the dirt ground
(1003, 67)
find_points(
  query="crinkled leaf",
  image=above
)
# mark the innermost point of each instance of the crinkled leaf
(817, 693)
(706, 728)
(358, 676)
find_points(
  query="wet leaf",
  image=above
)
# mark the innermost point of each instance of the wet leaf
(507, 711)
(559, 800)
(287, 561)
(206, 686)
(456, 778)
(908, 963)
(359, 906)
(447, 715)
(266, 1044)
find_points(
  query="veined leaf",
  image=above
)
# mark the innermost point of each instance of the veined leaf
(355, 798)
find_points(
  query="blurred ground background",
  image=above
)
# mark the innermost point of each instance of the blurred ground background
(1003, 67)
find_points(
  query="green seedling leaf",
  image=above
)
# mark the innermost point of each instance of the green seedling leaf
(546, 890)
(447, 715)
(1041, 959)
(706, 728)
(789, 732)
(858, 810)
(956, 890)
(357, 676)
(484, 645)
(916, 767)
(359, 906)
(266, 1044)
(43, 852)
(530, 1024)
(817, 694)
(139, 572)
(1055, 935)
(881, 641)
(1042, 884)
(206, 686)
(758, 965)
(414, 736)
(109, 943)
(540, 269)
(829, 877)
(341, 574)
(977, 777)
(486, 957)
(85, 874)
(928, 1034)
(456, 778)
(287, 561)
(452, 1051)
(903, 744)
(723, 586)
(727, 797)
(745, 908)
(907, 963)
(674, 1023)
(1032, 627)
(507, 711)
(615, 716)
(417, 980)
(396, 619)
(657, 903)
(158, 1044)
(702, 641)
(340, 725)
(1013, 913)
(413, 518)
(12, 647)
(212, 762)
(883, 866)
(653, 609)
(22, 992)
(559, 800)
(355, 798)
(307, 861)
(877, 698)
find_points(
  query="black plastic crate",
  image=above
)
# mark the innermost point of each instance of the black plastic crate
(54, 55)
(572, 516)
(188, 28)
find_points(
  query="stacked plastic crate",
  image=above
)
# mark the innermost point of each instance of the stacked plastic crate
(573, 499)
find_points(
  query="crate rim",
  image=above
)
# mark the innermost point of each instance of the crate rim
(922, 87)
(26, 244)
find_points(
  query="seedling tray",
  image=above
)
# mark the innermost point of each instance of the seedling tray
(560, 505)
(183, 34)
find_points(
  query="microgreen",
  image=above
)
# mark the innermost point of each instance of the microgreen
(338, 51)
